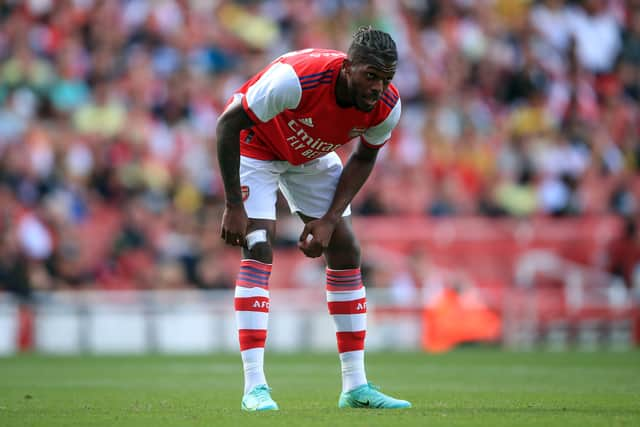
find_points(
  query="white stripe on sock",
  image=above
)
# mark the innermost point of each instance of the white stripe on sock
(252, 320)
(350, 322)
(352, 365)
(242, 292)
(253, 364)
(335, 296)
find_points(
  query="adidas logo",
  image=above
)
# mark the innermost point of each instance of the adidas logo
(306, 121)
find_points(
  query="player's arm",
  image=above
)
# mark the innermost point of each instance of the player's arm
(234, 219)
(354, 175)
(276, 90)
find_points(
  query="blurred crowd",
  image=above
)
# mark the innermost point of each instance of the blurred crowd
(108, 172)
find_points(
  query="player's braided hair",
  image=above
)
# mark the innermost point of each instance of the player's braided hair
(372, 45)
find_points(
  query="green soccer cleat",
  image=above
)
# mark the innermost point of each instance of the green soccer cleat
(259, 399)
(369, 396)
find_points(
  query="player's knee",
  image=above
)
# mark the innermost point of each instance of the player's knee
(345, 254)
(351, 250)
(258, 245)
(345, 243)
(260, 252)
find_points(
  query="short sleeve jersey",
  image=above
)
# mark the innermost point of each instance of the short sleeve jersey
(297, 118)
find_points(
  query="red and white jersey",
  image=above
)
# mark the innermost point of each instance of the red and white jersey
(293, 103)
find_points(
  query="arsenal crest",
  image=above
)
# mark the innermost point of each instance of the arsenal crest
(356, 132)
(245, 192)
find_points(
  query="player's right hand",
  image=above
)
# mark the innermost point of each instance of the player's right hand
(234, 225)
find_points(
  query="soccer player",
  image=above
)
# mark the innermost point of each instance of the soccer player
(280, 130)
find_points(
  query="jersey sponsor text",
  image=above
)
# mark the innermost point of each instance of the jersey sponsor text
(313, 147)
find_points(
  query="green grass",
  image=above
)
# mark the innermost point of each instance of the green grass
(466, 387)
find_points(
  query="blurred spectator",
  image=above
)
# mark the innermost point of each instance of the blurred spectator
(14, 268)
(103, 116)
(597, 32)
(210, 275)
(420, 276)
(624, 254)
(630, 61)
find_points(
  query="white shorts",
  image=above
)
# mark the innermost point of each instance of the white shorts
(308, 188)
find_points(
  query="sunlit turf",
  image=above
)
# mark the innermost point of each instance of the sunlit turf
(468, 387)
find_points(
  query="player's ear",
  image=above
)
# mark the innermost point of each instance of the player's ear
(346, 65)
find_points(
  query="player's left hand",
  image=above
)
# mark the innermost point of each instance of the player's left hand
(320, 231)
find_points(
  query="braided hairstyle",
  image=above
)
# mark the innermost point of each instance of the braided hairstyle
(371, 46)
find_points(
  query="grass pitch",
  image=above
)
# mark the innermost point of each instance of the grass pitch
(465, 388)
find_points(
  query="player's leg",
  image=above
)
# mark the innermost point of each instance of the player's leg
(346, 298)
(309, 191)
(252, 284)
(252, 311)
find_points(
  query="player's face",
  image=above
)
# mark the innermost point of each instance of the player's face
(367, 83)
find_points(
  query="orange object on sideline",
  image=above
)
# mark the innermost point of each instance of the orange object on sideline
(455, 318)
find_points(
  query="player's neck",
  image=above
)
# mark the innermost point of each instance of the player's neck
(342, 91)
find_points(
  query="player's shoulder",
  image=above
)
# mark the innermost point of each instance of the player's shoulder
(309, 62)
(389, 100)
(313, 55)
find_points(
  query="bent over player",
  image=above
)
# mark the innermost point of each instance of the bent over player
(280, 130)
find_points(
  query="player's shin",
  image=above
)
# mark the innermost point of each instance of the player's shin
(252, 313)
(348, 307)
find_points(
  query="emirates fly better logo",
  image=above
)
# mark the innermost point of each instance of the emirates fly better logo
(303, 141)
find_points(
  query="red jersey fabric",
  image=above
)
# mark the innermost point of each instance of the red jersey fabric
(293, 103)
